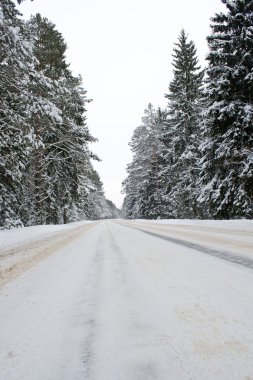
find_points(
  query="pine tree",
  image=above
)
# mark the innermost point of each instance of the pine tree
(47, 124)
(75, 166)
(49, 48)
(60, 161)
(227, 174)
(181, 132)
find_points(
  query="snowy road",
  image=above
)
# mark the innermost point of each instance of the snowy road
(116, 303)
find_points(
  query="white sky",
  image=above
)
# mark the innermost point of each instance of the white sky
(123, 48)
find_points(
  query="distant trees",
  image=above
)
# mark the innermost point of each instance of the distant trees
(46, 173)
(205, 159)
(142, 186)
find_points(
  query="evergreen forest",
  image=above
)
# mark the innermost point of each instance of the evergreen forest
(46, 171)
(194, 159)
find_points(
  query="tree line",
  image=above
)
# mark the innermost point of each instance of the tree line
(194, 159)
(46, 172)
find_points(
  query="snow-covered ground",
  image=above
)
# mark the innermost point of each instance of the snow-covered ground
(9, 238)
(21, 248)
(115, 303)
(235, 224)
(232, 236)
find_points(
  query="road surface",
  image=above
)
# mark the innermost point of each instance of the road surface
(108, 301)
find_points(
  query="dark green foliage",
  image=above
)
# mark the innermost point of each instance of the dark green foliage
(49, 48)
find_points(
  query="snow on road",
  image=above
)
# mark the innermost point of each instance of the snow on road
(233, 236)
(115, 303)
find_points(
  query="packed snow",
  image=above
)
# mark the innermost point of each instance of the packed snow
(231, 236)
(115, 302)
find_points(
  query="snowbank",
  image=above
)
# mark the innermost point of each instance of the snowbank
(9, 238)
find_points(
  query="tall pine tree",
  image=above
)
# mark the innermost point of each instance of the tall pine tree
(60, 162)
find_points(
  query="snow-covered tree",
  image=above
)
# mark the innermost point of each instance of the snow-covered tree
(16, 67)
(112, 211)
(45, 160)
(227, 165)
(182, 130)
(60, 161)
(142, 186)
(47, 123)
(93, 204)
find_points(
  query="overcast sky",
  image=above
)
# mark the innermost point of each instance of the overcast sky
(123, 48)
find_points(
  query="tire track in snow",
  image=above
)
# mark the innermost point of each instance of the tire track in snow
(125, 332)
(224, 255)
(91, 296)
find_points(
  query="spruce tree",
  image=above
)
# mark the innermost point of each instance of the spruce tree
(182, 130)
(227, 174)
